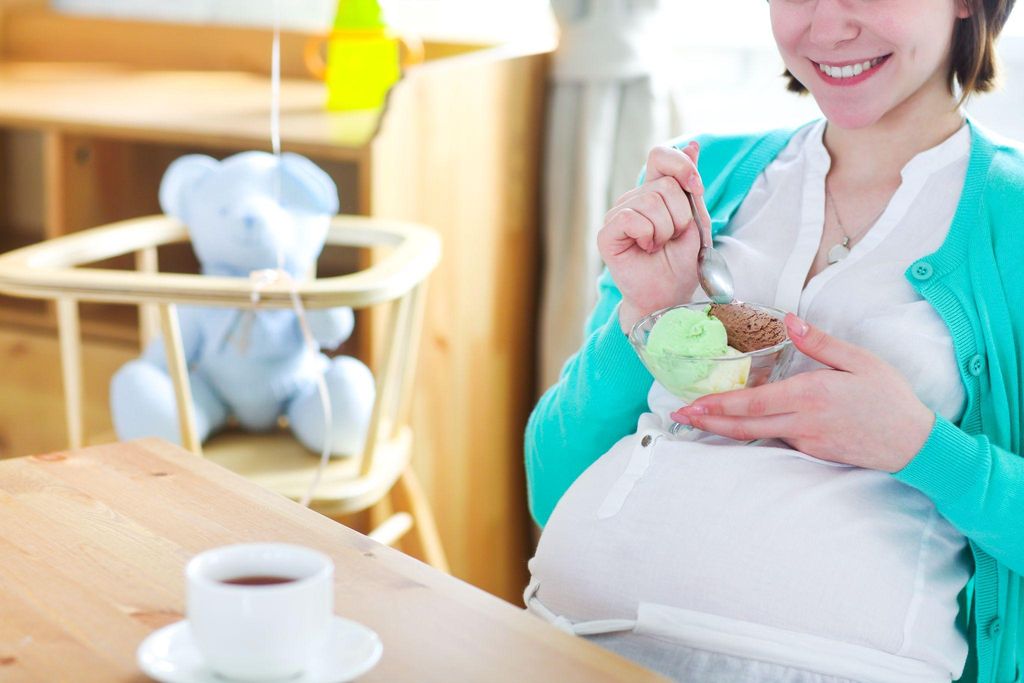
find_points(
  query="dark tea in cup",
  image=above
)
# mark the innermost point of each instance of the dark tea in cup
(258, 580)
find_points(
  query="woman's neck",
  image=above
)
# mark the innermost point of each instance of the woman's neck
(880, 151)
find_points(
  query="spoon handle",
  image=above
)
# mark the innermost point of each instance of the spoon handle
(712, 271)
(698, 210)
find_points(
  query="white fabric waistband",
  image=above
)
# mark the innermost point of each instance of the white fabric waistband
(752, 641)
(580, 628)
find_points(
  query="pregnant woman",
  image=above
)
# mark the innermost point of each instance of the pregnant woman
(862, 519)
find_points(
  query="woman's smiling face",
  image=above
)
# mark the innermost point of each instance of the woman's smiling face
(862, 59)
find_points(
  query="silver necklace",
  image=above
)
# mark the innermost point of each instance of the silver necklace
(841, 249)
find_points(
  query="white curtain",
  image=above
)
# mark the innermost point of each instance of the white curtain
(609, 103)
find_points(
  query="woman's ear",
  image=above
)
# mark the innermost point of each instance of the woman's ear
(964, 9)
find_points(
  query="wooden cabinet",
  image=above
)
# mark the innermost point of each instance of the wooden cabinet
(91, 113)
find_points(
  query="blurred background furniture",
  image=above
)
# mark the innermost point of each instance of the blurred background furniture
(380, 479)
(91, 112)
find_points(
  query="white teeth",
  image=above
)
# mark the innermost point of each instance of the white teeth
(850, 70)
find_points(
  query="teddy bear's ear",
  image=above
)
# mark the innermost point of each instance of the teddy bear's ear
(307, 184)
(180, 178)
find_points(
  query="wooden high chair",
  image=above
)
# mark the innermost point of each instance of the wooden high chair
(380, 479)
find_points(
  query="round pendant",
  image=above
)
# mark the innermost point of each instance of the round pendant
(837, 254)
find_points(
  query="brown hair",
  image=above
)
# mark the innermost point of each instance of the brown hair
(974, 64)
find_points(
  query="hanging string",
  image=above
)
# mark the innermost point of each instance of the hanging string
(275, 83)
(275, 109)
(262, 278)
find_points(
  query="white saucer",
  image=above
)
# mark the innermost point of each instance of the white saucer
(169, 655)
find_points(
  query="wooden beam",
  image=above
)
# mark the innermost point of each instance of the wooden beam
(39, 35)
(32, 32)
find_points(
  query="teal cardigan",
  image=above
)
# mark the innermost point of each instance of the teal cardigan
(972, 471)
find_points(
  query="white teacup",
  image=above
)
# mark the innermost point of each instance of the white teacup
(258, 611)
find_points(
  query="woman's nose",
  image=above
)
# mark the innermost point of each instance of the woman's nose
(832, 22)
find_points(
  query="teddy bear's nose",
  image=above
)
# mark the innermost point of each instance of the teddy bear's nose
(256, 227)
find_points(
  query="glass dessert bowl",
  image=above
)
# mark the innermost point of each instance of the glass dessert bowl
(703, 348)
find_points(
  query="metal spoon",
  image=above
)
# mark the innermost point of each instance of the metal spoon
(712, 271)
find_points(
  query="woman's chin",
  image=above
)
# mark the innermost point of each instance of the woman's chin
(850, 118)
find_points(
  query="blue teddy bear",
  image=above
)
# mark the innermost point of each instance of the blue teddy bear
(250, 212)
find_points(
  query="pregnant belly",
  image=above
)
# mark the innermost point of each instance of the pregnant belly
(757, 534)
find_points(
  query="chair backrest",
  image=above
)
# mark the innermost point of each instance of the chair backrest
(53, 270)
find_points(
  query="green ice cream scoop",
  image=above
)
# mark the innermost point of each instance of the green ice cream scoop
(688, 332)
(678, 342)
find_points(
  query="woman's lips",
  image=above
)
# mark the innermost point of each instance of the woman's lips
(837, 75)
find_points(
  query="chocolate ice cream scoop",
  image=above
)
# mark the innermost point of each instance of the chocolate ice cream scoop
(748, 328)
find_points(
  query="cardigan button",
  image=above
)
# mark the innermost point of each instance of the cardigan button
(921, 271)
(976, 365)
(646, 441)
(995, 627)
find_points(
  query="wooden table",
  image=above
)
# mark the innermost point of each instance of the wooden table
(93, 545)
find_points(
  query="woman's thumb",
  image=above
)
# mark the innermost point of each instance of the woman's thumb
(692, 150)
(823, 347)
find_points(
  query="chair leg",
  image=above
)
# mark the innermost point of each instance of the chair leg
(380, 512)
(392, 529)
(408, 494)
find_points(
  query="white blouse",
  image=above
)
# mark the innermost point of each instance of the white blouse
(759, 551)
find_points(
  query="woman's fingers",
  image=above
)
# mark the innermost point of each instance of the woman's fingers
(786, 396)
(670, 174)
(692, 150)
(653, 206)
(745, 428)
(627, 229)
(671, 196)
(677, 203)
(669, 161)
(645, 219)
(826, 349)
